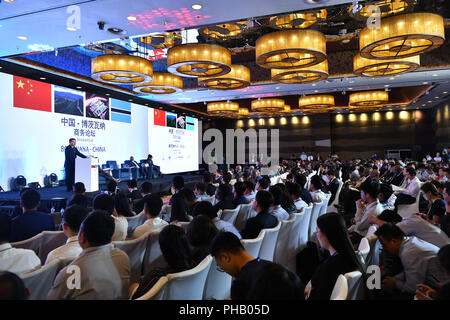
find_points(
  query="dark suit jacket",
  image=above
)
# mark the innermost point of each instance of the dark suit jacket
(398, 179)
(253, 227)
(29, 224)
(306, 196)
(134, 195)
(226, 203)
(210, 190)
(333, 187)
(240, 200)
(71, 154)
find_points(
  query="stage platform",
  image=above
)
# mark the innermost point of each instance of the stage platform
(57, 197)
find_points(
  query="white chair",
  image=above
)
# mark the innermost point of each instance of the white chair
(166, 211)
(281, 246)
(50, 240)
(364, 248)
(355, 289)
(292, 247)
(41, 280)
(252, 246)
(135, 221)
(189, 284)
(324, 207)
(340, 289)
(135, 249)
(218, 284)
(229, 215)
(331, 207)
(157, 292)
(245, 213)
(373, 258)
(33, 243)
(304, 218)
(209, 199)
(184, 225)
(371, 230)
(153, 257)
(408, 210)
(314, 215)
(267, 250)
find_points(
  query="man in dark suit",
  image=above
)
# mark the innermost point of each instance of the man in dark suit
(263, 220)
(333, 184)
(135, 166)
(224, 196)
(31, 222)
(210, 189)
(146, 189)
(71, 153)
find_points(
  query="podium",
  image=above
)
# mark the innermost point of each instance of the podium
(86, 171)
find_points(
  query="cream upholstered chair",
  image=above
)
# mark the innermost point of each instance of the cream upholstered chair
(252, 246)
(407, 210)
(340, 289)
(283, 240)
(153, 257)
(364, 248)
(245, 213)
(229, 215)
(330, 206)
(41, 280)
(157, 292)
(218, 284)
(324, 207)
(355, 287)
(189, 284)
(209, 199)
(314, 215)
(33, 243)
(50, 240)
(267, 250)
(373, 258)
(371, 231)
(135, 221)
(305, 218)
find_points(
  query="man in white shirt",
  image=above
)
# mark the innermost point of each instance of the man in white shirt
(72, 219)
(104, 270)
(316, 185)
(206, 208)
(295, 192)
(152, 209)
(14, 259)
(249, 192)
(106, 202)
(367, 206)
(276, 208)
(411, 187)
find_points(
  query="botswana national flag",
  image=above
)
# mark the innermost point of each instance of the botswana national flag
(32, 94)
(120, 111)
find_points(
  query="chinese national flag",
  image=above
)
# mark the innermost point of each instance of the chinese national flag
(31, 94)
(159, 118)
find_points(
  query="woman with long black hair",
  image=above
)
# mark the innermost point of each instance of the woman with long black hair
(436, 207)
(333, 237)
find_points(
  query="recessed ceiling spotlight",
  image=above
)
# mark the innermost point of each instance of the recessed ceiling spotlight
(42, 78)
(442, 92)
(197, 6)
(313, 84)
(350, 88)
(434, 74)
(131, 18)
(345, 40)
(9, 1)
(78, 87)
(425, 82)
(436, 97)
(423, 105)
(391, 78)
(316, 90)
(429, 101)
(386, 85)
(107, 94)
(71, 29)
(22, 38)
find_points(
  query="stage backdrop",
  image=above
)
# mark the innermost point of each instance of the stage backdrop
(37, 119)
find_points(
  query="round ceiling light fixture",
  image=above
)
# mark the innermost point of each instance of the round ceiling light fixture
(223, 32)
(121, 69)
(198, 60)
(223, 108)
(369, 99)
(317, 103)
(291, 49)
(313, 73)
(237, 78)
(163, 40)
(402, 36)
(268, 105)
(383, 68)
(162, 83)
(299, 20)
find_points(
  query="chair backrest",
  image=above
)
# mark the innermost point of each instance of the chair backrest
(184, 225)
(135, 249)
(189, 284)
(324, 207)
(283, 240)
(371, 230)
(50, 240)
(340, 289)
(354, 285)
(252, 246)
(243, 215)
(229, 215)
(218, 284)
(209, 199)
(135, 221)
(303, 226)
(267, 250)
(33, 243)
(314, 215)
(41, 280)
(331, 207)
(364, 248)
(373, 258)
(112, 164)
(157, 292)
(153, 257)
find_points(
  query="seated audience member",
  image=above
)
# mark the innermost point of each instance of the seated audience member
(300, 179)
(286, 201)
(445, 219)
(439, 186)
(190, 198)
(442, 177)
(14, 259)
(333, 237)
(134, 193)
(71, 222)
(415, 255)
(367, 206)
(18, 209)
(226, 179)
(424, 292)
(200, 191)
(12, 287)
(179, 208)
(111, 188)
(224, 197)
(249, 192)
(316, 186)
(122, 205)
(263, 220)
(411, 186)
(295, 192)
(263, 183)
(238, 173)
(78, 197)
(333, 184)
(386, 197)
(413, 226)
(436, 203)
(246, 176)
(200, 232)
(206, 208)
(104, 270)
(175, 249)
(106, 202)
(218, 177)
(146, 189)
(30, 222)
(276, 209)
(238, 192)
(152, 209)
(398, 177)
(210, 189)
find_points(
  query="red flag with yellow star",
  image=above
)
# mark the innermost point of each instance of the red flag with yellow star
(31, 94)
